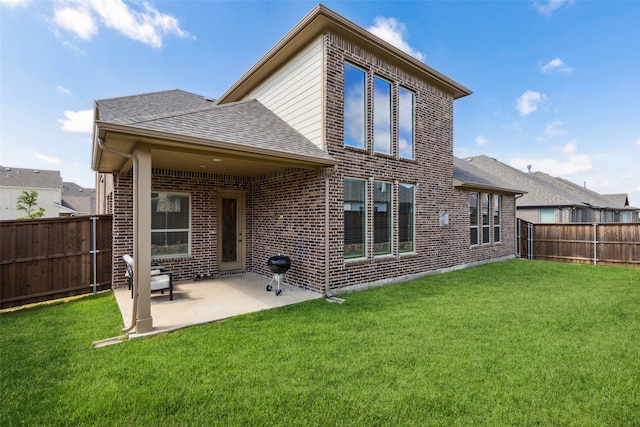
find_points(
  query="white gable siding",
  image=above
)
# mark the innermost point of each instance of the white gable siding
(294, 92)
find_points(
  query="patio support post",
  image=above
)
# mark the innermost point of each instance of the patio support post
(142, 238)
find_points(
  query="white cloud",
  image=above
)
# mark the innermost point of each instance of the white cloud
(481, 141)
(568, 161)
(77, 19)
(395, 33)
(550, 6)
(63, 90)
(528, 102)
(77, 121)
(44, 157)
(637, 143)
(553, 129)
(15, 3)
(556, 65)
(146, 25)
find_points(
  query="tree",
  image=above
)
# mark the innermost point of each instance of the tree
(27, 202)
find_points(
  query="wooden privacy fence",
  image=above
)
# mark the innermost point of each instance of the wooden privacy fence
(44, 259)
(605, 243)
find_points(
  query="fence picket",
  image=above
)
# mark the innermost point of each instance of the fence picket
(603, 243)
(50, 258)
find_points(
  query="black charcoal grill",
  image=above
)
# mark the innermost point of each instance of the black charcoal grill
(278, 265)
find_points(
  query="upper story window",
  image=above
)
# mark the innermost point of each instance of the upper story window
(169, 224)
(381, 116)
(406, 112)
(354, 107)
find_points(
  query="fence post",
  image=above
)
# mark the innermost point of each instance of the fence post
(94, 254)
(595, 244)
(530, 240)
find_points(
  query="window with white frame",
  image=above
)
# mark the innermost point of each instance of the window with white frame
(354, 107)
(170, 224)
(382, 217)
(406, 218)
(355, 218)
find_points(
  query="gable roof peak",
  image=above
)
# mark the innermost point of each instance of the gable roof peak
(318, 21)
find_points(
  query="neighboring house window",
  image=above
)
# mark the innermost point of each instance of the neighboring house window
(497, 208)
(354, 107)
(473, 218)
(406, 218)
(169, 224)
(547, 215)
(405, 123)
(355, 218)
(381, 116)
(485, 218)
(382, 217)
(626, 217)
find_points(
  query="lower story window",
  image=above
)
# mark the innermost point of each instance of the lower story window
(355, 218)
(497, 207)
(170, 224)
(406, 222)
(547, 215)
(473, 218)
(382, 218)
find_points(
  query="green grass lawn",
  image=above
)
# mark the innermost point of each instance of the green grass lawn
(512, 343)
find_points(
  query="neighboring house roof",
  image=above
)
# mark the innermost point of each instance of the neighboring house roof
(467, 175)
(586, 196)
(621, 199)
(79, 199)
(322, 19)
(246, 126)
(31, 179)
(542, 189)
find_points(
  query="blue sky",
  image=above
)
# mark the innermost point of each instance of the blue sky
(556, 83)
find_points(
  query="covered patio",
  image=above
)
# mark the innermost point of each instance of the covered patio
(205, 301)
(208, 157)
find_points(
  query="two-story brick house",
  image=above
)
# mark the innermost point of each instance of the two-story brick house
(335, 149)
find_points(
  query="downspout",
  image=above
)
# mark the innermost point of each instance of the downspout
(327, 285)
(134, 159)
(515, 217)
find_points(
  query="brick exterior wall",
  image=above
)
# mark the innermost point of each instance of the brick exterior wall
(285, 211)
(436, 248)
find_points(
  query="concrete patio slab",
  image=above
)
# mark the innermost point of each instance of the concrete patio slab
(206, 301)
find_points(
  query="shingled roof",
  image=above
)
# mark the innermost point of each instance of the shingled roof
(247, 125)
(543, 189)
(30, 178)
(467, 175)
